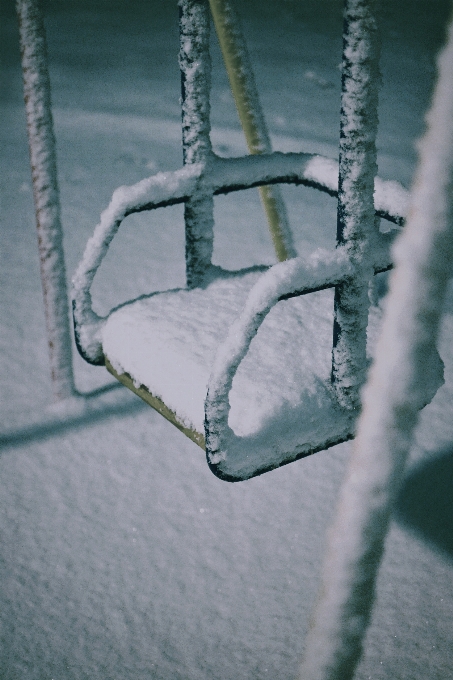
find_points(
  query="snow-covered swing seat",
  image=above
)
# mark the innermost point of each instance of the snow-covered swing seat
(242, 362)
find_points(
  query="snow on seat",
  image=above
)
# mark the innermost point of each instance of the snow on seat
(244, 362)
(166, 346)
(167, 343)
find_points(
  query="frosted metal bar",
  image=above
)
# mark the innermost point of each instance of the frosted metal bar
(195, 64)
(41, 143)
(245, 93)
(403, 378)
(225, 175)
(356, 224)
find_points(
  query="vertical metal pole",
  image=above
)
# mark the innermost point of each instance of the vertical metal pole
(245, 93)
(356, 223)
(195, 64)
(46, 196)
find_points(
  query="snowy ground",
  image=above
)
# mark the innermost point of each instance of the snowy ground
(122, 556)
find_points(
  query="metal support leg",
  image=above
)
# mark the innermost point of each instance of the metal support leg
(195, 64)
(356, 224)
(46, 195)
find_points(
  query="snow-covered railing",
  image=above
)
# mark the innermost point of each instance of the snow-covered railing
(222, 176)
(298, 276)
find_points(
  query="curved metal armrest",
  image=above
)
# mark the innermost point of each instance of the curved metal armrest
(158, 191)
(299, 276)
(324, 269)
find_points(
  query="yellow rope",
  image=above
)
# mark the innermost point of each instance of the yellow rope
(242, 83)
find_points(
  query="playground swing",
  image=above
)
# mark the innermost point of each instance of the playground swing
(242, 362)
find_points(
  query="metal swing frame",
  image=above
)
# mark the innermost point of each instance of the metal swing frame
(362, 251)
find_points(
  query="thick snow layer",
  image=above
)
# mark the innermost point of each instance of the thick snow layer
(122, 556)
(168, 342)
(266, 359)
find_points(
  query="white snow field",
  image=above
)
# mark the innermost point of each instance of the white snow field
(122, 556)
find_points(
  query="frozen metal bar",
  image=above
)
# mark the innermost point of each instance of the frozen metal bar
(356, 224)
(195, 64)
(46, 195)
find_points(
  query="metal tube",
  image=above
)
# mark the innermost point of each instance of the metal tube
(46, 195)
(357, 224)
(195, 64)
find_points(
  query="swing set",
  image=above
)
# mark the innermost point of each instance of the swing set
(240, 361)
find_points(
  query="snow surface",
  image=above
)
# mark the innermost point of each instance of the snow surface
(122, 555)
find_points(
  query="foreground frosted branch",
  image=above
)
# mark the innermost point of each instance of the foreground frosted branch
(356, 222)
(401, 378)
(45, 190)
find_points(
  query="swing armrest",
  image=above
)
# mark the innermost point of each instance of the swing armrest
(299, 276)
(158, 191)
(311, 170)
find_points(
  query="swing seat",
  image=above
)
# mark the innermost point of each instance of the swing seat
(245, 358)
(164, 347)
(241, 362)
